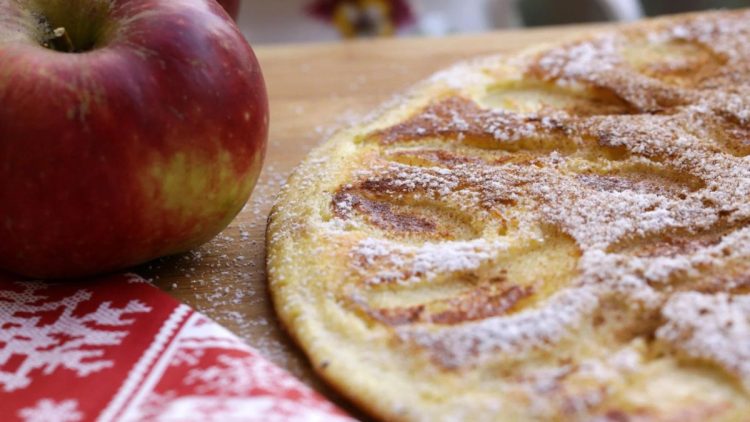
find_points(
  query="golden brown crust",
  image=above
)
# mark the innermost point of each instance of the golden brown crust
(562, 235)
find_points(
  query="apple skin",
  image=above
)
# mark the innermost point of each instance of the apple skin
(232, 7)
(145, 146)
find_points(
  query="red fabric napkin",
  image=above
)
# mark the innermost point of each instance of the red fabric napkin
(120, 349)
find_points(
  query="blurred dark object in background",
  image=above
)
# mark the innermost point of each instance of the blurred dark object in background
(546, 12)
(662, 7)
(551, 12)
(276, 21)
(363, 18)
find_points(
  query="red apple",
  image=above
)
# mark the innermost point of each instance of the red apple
(231, 6)
(136, 131)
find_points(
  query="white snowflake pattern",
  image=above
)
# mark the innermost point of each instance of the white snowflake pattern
(186, 356)
(248, 409)
(239, 375)
(74, 341)
(47, 410)
(232, 375)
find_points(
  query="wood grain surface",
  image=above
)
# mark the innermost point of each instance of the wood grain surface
(313, 89)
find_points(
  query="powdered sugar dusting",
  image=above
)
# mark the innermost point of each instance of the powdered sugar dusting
(715, 328)
(383, 261)
(515, 334)
(582, 60)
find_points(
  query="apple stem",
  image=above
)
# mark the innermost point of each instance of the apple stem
(62, 40)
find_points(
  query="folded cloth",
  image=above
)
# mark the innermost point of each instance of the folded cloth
(120, 349)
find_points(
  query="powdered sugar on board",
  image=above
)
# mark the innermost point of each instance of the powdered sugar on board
(225, 278)
(218, 276)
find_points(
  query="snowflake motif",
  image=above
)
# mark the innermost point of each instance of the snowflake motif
(186, 356)
(248, 409)
(231, 376)
(154, 404)
(235, 375)
(212, 407)
(72, 341)
(47, 410)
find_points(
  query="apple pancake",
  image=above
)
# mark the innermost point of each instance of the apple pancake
(561, 234)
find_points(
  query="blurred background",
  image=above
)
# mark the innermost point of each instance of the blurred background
(285, 21)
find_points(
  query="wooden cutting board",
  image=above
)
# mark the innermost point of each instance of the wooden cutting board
(313, 89)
